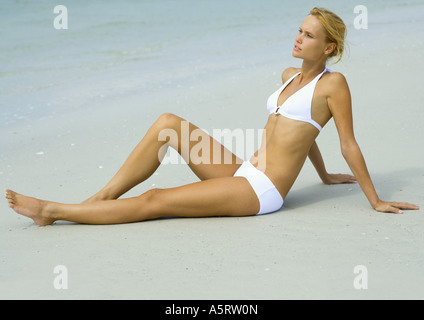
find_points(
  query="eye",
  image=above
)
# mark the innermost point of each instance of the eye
(307, 33)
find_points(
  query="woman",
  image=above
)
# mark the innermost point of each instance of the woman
(308, 99)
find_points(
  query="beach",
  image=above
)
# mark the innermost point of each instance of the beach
(75, 102)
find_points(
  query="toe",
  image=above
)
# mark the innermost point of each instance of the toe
(8, 193)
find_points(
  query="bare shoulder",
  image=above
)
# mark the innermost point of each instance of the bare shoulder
(335, 88)
(288, 73)
(334, 82)
(335, 79)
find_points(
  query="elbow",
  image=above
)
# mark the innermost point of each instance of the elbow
(345, 151)
(348, 148)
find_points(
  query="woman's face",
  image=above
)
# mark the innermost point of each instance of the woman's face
(311, 41)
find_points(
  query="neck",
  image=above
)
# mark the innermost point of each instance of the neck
(311, 69)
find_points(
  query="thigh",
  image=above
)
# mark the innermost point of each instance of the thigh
(205, 156)
(228, 196)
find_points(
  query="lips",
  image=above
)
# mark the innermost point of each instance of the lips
(296, 48)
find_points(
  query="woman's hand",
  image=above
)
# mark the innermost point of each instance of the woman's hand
(381, 206)
(339, 178)
(394, 207)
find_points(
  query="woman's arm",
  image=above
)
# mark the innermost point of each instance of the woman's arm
(339, 103)
(327, 178)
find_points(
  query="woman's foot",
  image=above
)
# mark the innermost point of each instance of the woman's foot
(29, 207)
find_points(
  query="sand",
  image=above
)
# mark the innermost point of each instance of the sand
(307, 250)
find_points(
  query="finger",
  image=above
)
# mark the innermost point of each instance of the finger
(405, 205)
(350, 179)
(394, 209)
(398, 211)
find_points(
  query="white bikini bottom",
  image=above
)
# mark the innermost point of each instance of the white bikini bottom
(270, 199)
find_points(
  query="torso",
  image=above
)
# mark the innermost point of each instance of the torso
(286, 142)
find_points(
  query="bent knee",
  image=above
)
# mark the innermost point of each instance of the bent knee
(168, 120)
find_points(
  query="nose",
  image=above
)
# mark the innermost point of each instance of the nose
(299, 38)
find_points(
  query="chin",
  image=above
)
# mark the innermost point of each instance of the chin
(296, 54)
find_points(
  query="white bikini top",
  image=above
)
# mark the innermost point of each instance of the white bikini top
(298, 105)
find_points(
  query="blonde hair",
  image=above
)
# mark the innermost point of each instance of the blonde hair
(334, 28)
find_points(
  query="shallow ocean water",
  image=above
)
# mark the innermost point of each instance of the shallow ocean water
(113, 49)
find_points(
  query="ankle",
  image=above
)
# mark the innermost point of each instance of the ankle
(105, 194)
(50, 210)
(108, 193)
